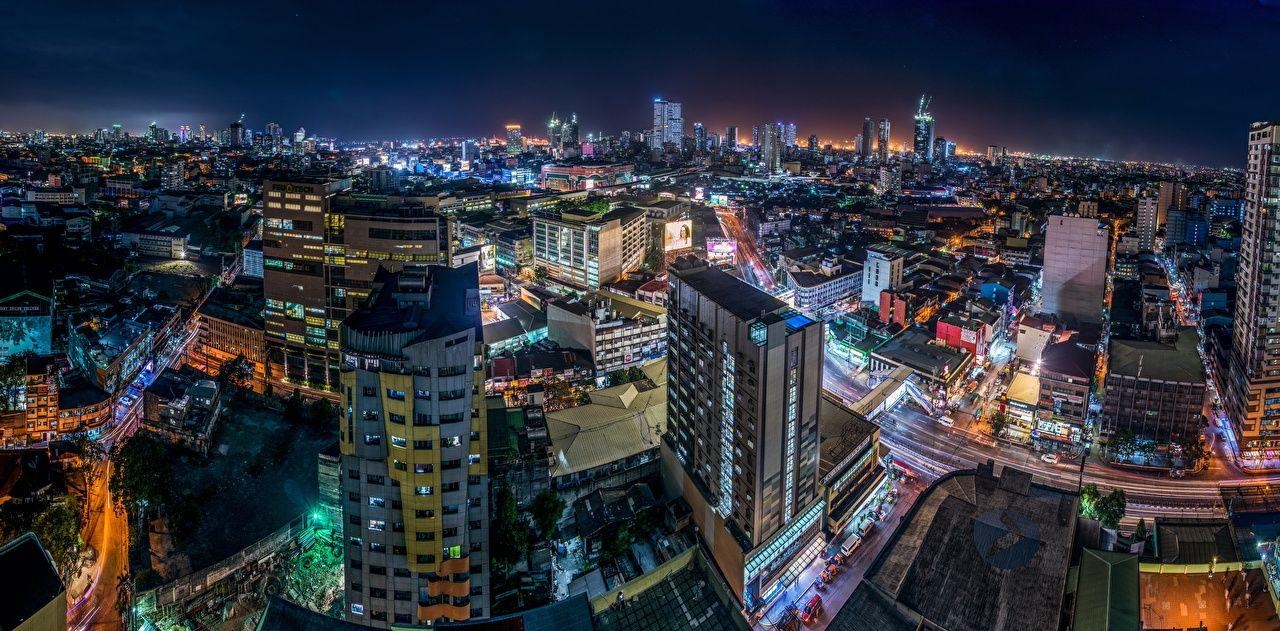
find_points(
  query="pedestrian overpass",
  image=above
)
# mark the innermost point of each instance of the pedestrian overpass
(884, 396)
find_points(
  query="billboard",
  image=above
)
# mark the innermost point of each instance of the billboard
(719, 199)
(488, 258)
(721, 249)
(677, 235)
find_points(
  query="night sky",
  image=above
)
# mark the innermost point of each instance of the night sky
(1175, 81)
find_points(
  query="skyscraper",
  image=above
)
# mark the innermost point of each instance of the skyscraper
(699, 137)
(299, 136)
(789, 135)
(413, 442)
(1147, 222)
(771, 147)
(204, 135)
(515, 142)
(668, 124)
(184, 133)
(812, 142)
(731, 136)
(867, 138)
(1075, 268)
(882, 140)
(1254, 374)
(923, 145)
(745, 380)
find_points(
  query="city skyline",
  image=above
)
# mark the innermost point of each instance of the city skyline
(1072, 98)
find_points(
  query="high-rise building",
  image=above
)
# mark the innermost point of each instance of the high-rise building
(299, 136)
(923, 141)
(273, 137)
(1075, 268)
(699, 137)
(204, 135)
(991, 154)
(745, 382)
(812, 143)
(320, 253)
(1254, 375)
(515, 142)
(943, 150)
(1171, 195)
(586, 250)
(789, 135)
(235, 133)
(867, 137)
(731, 136)
(771, 147)
(882, 140)
(184, 133)
(668, 124)
(755, 136)
(882, 269)
(1147, 222)
(413, 442)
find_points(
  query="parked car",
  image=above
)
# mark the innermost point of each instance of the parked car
(946, 420)
(1051, 458)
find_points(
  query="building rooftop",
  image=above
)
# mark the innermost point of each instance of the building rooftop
(976, 552)
(1108, 593)
(912, 349)
(842, 433)
(620, 421)
(240, 304)
(738, 297)
(1024, 388)
(28, 580)
(683, 594)
(1179, 361)
(1068, 358)
(431, 302)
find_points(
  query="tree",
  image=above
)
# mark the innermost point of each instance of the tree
(58, 527)
(1111, 508)
(12, 375)
(322, 413)
(1122, 444)
(997, 421)
(295, 410)
(1193, 450)
(510, 537)
(1089, 497)
(1140, 533)
(237, 372)
(547, 508)
(91, 455)
(618, 544)
(140, 473)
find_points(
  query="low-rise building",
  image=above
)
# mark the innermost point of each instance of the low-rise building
(1066, 379)
(824, 285)
(613, 440)
(849, 466)
(170, 243)
(619, 332)
(182, 408)
(26, 324)
(231, 325)
(584, 177)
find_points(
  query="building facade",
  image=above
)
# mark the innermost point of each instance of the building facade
(1252, 386)
(1075, 268)
(1155, 390)
(744, 383)
(414, 458)
(588, 250)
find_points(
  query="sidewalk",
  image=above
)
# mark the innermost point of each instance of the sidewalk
(837, 592)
